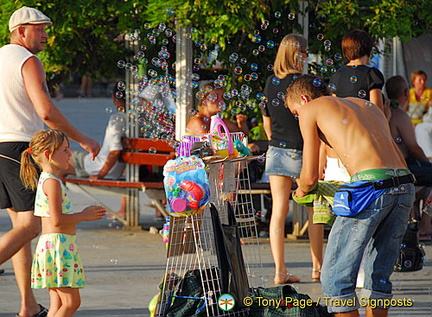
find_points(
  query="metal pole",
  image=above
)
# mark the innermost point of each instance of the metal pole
(183, 79)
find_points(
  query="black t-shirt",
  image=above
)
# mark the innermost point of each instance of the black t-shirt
(356, 81)
(285, 127)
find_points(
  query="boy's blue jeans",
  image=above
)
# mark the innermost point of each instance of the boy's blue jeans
(383, 223)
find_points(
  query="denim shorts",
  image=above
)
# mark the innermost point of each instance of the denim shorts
(383, 224)
(284, 162)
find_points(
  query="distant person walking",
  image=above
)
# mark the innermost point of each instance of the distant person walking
(25, 105)
(56, 263)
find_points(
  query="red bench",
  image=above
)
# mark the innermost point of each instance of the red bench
(137, 151)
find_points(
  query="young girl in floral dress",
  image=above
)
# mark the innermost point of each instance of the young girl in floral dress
(56, 263)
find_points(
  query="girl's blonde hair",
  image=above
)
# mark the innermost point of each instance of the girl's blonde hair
(44, 140)
(289, 55)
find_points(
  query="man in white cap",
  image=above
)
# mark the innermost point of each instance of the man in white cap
(25, 106)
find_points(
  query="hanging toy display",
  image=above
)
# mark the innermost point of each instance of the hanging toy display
(186, 186)
(221, 139)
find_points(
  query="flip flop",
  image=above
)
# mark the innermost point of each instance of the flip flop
(43, 312)
(289, 278)
(316, 279)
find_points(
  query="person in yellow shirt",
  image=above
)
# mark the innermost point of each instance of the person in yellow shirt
(420, 98)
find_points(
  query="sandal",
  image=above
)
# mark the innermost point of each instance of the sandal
(43, 312)
(289, 278)
(316, 279)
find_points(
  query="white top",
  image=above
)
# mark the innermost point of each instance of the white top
(18, 119)
(114, 131)
(336, 171)
(42, 204)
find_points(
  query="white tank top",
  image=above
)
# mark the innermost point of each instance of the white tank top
(336, 171)
(18, 117)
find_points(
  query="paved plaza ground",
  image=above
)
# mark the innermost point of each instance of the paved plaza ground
(124, 268)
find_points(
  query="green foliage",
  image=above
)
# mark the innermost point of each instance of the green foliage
(380, 18)
(250, 30)
(87, 35)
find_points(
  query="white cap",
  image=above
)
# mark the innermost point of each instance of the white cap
(27, 15)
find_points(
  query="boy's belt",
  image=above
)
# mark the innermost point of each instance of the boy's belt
(394, 181)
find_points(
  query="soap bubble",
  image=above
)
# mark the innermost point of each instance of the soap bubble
(256, 38)
(233, 57)
(291, 16)
(361, 94)
(162, 27)
(353, 79)
(261, 159)
(280, 95)
(259, 96)
(320, 37)
(270, 44)
(317, 82)
(331, 87)
(277, 14)
(275, 102)
(275, 81)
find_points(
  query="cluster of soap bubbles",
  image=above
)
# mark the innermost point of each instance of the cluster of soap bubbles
(152, 94)
(153, 62)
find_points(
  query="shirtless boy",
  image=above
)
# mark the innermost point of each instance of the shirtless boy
(359, 133)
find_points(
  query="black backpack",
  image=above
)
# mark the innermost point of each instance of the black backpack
(411, 252)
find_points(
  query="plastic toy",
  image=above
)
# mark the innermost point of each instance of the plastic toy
(241, 148)
(186, 186)
(221, 138)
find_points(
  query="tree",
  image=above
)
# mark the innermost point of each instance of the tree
(86, 35)
(243, 34)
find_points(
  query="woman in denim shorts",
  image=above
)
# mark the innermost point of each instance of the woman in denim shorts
(284, 155)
